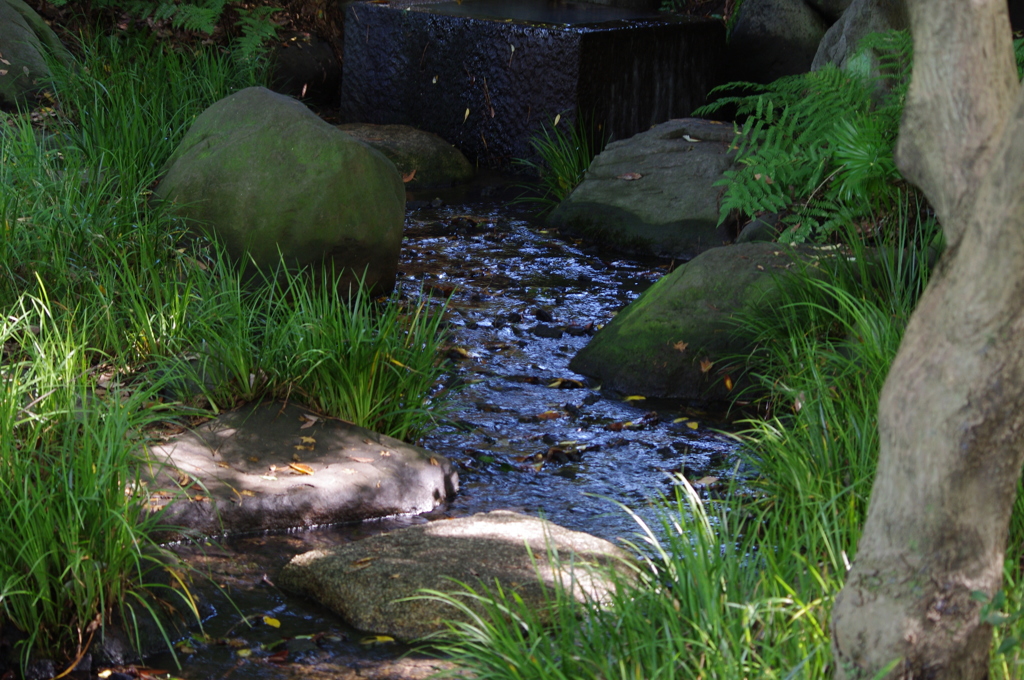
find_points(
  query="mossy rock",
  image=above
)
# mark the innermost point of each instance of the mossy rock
(425, 159)
(265, 175)
(679, 339)
(25, 39)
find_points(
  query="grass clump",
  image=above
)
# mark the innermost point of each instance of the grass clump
(564, 155)
(106, 306)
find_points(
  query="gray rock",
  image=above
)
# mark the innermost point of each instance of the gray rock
(428, 160)
(830, 9)
(656, 345)
(774, 38)
(367, 582)
(860, 18)
(760, 229)
(654, 191)
(243, 471)
(24, 40)
(265, 175)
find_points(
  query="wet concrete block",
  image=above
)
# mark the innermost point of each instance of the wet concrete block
(486, 83)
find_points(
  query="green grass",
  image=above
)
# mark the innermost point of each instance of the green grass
(108, 305)
(563, 156)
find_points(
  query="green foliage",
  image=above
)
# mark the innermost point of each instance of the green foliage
(72, 546)
(565, 155)
(202, 16)
(817, 147)
(103, 298)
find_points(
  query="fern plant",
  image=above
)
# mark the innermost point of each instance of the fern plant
(255, 24)
(817, 147)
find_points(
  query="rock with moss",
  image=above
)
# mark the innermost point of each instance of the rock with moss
(425, 160)
(265, 175)
(654, 192)
(679, 339)
(375, 583)
(25, 40)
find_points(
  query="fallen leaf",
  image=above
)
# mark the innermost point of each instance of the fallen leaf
(688, 138)
(301, 468)
(247, 492)
(706, 480)
(307, 440)
(558, 117)
(373, 640)
(635, 397)
(360, 460)
(408, 177)
(363, 562)
(692, 424)
(271, 621)
(728, 383)
(244, 653)
(385, 454)
(254, 459)
(301, 447)
(434, 461)
(705, 365)
(223, 465)
(680, 346)
(549, 415)
(269, 478)
(466, 117)
(309, 421)
(629, 176)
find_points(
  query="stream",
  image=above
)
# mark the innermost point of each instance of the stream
(527, 434)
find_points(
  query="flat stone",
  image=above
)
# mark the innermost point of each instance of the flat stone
(426, 160)
(368, 582)
(654, 192)
(246, 471)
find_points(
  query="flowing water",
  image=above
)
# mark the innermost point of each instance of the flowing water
(527, 433)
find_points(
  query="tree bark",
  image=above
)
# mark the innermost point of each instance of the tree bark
(951, 415)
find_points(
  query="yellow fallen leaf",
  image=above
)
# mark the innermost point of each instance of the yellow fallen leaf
(271, 621)
(302, 447)
(247, 492)
(558, 117)
(223, 465)
(301, 468)
(680, 346)
(433, 461)
(363, 562)
(254, 459)
(705, 365)
(728, 383)
(466, 117)
(244, 653)
(635, 397)
(372, 640)
(692, 424)
(307, 440)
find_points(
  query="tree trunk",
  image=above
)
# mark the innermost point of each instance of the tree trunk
(951, 415)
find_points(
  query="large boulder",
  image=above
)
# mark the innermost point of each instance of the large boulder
(269, 467)
(24, 40)
(676, 339)
(774, 38)
(860, 18)
(425, 160)
(655, 191)
(369, 582)
(265, 175)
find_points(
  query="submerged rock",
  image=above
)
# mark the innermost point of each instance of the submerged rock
(273, 466)
(677, 339)
(367, 582)
(655, 191)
